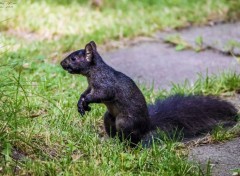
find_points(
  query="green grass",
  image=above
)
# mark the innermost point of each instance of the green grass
(41, 132)
(39, 121)
(76, 23)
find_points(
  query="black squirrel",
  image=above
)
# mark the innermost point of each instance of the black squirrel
(128, 115)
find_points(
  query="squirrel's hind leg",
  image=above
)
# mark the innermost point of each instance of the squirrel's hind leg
(110, 124)
(126, 129)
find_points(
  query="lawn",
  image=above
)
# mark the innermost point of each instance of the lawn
(41, 132)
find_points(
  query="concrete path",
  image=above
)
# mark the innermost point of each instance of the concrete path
(224, 38)
(223, 158)
(155, 61)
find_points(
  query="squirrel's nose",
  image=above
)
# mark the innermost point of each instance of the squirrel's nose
(63, 63)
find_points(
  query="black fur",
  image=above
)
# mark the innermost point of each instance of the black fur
(128, 116)
(191, 114)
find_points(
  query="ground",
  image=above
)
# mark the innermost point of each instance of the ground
(223, 157)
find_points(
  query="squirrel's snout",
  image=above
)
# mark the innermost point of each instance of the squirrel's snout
(64, 63)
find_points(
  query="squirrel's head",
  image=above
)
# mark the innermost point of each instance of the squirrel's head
(80, 61)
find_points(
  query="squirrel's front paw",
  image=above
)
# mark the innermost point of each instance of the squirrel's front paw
(81, 108)
(84, 104)
(81, 111)
(86, 108)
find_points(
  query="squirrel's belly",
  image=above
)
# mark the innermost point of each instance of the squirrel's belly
(112, 107)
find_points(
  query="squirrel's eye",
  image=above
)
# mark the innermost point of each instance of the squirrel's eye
(73, 58)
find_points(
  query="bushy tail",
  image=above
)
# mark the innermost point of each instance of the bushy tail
(191, 114)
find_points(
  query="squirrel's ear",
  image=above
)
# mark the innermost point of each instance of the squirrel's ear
(94, 46)
(89, 48)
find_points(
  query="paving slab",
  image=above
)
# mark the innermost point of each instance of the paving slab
(223, 158)
(223, 37)
(161, 64)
